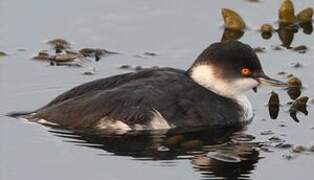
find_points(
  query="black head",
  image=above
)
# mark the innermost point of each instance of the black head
(231, 64)
(230, 57)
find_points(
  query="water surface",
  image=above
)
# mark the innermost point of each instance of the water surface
(177, 31)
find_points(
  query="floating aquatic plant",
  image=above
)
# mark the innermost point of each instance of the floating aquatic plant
(232, 20)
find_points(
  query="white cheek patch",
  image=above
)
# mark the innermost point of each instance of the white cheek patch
(242, 85)
(206, 77)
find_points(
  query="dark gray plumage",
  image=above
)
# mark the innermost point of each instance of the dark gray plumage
(131, 98)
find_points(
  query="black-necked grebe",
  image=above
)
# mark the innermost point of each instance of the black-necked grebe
(208, 94)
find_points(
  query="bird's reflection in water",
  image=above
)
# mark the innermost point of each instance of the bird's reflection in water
(235, 153)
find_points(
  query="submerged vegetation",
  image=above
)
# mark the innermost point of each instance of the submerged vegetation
(289, 24)
(65, 55)
(232, 20)
(273, 105)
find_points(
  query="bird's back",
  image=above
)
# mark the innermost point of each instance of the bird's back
(136, 99)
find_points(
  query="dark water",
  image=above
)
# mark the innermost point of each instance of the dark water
(177, 31)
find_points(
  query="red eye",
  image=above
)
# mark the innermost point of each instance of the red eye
(245, 72)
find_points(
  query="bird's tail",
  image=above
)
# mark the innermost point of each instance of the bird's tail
(19, 114)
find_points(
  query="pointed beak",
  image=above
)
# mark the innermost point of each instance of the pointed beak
(272, 82)
(263, 79)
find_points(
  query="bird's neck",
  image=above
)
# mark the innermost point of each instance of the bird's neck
(206, 76)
